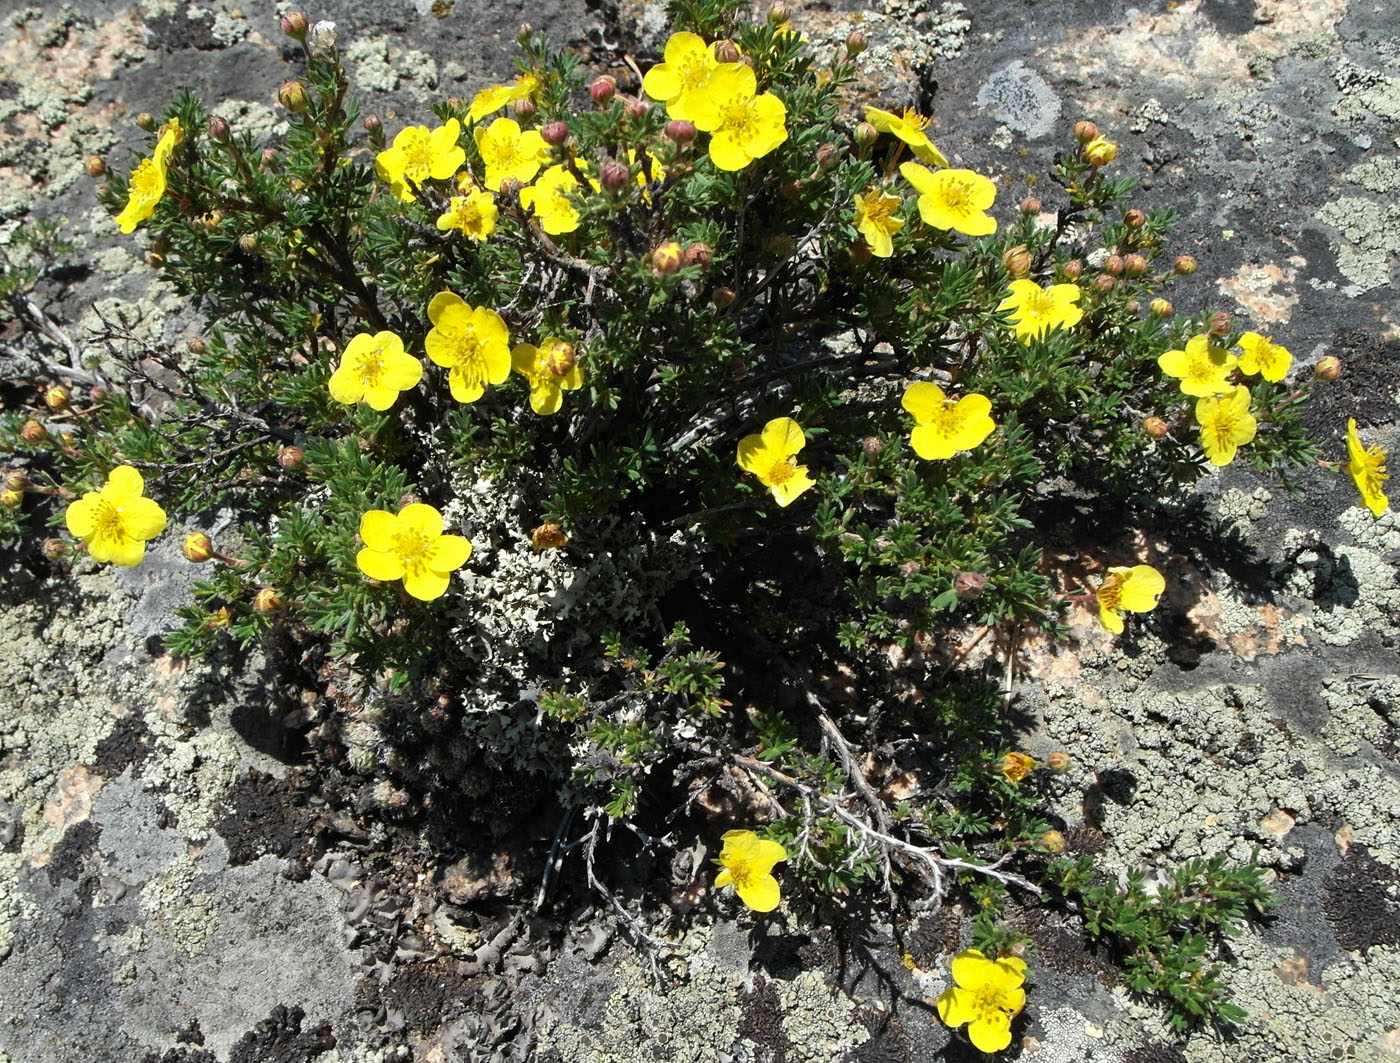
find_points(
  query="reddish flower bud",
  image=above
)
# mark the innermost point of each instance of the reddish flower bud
(667, 258)
(16, 480)
(969, 585)
(1017, 261)
(409, 498)
(1029, 205)
(1134, 265)
(291, 458)
(524, 110)
(268, 159)
(1085, 131)
(97, 394)
(53, 549)
(1073, 269)
(95, 167)
(1154, 427)
(1220, 323)
(1160, 307)
(1184, 265)
(1016, 766)
(560, 358)
(219, 129)
(33, 432)
(146, 122)
(195, 345)
(524, 33)
(602, 90)
(1328, 368)
(699, 255)
(856, 43)
(1113, 264)
(680, 132)
(554, 133)
(548, 536)
(1104, 283)
(510, 188)
(614, 176)
(638, 109)
(295, 24)
(374, 125)
(828, 156)
(267, 600)
(872, 446)
(779, 12)
(1058, 761)
(727, 52)
(197, 547)
(211, 220)
(292, 95)
(1135, 219)
(57, 397)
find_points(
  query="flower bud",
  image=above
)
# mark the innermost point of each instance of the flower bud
(1184, 265)
(33, 432)
(638, 109)
(1160, 307)
(1100, 152)
(268, 158)
(1016, 766)
(16, 480)
(548, 536)
(53, 549)
(291, 458)
(292, 95)
(1085, 131)
(524, 110)
(510, 188)
(866, 135)
(95, 167)
(727, 52)
(602, 90)
(722, 297)
(196, 345)
(679, 131)
(1052, 841)
(856, 43)
(97, 394)
(560, 357)
(779, 12)
(1029, 205)
(1328, 368)
(1134, 265)
(57, 397)
(828, 156)
(295, 24)
(374, 125)
(780, 245)
(1058, 761)
(409, 498)
(146, 122)
(267, 600)
(219, 129)
(211, 220)
(11, 499)
(1220, 323)
(1154, 427)
(248, 242)
(614, 176)
(197, 547)
(969, 585)
(524, 33)
(699, 255)
(1113, 264)
(872, 446)
(668, 257)
(1073, 269)
(1017, 261)
(554, 133)
(1104, 283)
(323, 37)
(220, 617)
(1134, 219)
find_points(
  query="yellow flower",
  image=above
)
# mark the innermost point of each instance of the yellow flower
(689, 63)
(507, 152)
(1367, 468)
(1203, 370)
(473, 214)
(1265, 357)
(944, 426)
(491, 99)
(987, 996)
(953, 199)
(472, 342)
(1101, 151)
(419, 154)
(743, 124)
(551, 369)
(1135, 589)
(772, 456)
(147, 182)
(409, 545)
(658, 172)
(877, 221)
(1226, 424)
(551, 200)
(908, 127)
(1036, 310)
(1016, 766)
(748, 863)
(115, 522)
(374, 369)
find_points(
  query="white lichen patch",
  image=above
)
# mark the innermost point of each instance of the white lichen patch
(818, 1019)
(1368, 238)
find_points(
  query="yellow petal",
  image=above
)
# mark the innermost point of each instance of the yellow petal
(421, 518)
(545, 397)
(122, 483)
(753, 454)
(346, 385)
(464, 390)
(81, 515)
(377, 564)
(724, 878)
(142, 518)
(991, 1032)
(786, 492)
(450, 552)
(1111, 620)
(766, 854)
(425, 584)
(759, 892)
(971, 968)
(783, 436)
(377, 530)
(957, 1006)
(1141, 589)
(921, 177)
(121, 550)
(923, 400)
(442, 301)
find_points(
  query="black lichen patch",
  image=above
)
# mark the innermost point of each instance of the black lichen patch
(1230, 16)
(933, 934)
(430, 995)
(888, 1042)
(266, 817)
(1154, 1053)
(1361, 897)
(180, 1055)
(280, 1039)
(1060, 945)
(129, 744)
(176, 33)
(72, 853)
(762, 1021)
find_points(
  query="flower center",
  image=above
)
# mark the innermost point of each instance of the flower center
(418, 156)
(1038, 305)
(957, 195)
(412, 547)
(1110, 594)
(1373, 468)
(991, 1002)
(145, 180)
(780, 473)
(914, 120)
(108, 524)
(740, 116)
(372, 366)
(694, 72)
(742, 874)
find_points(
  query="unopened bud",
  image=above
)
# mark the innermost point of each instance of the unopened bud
(679, 131)
(291, 458)
(53, 549)
(1058, 761)
(268, 158)
(1100, 152)
(146, 121)
(861, 253)
(211, 220)
(1085, 131)
(828, 156)
(1105, 283)
(219, 129)
(292, 95)
(727, 52)
(779, 12)
(33, 432)
(195, 345)
(554, 133)
(248, 242)
(323, 37)
(409, 498)
(510, 188)
(668, 257)
(614, 176)
(1134, 219)
(16, 480)
(374, 125)
(524, 109)
(1328, 368)
(969, 585)
(699, 255)
(97, 394)
(1113, 264)
(1029, 205)
(1017, 261)
(197, 547)
(1220, 323)
(1073, 269)
(866, 135)
(722, 297)
(560, 357)
(638, 109)
(1134, 265)
(57, 397)
(295, 24)
(1154, 427)
(602, 90)
(524, 33)
(780, 245)
(95, 167)
(11, 499)
(1160, 307)
(220, 617)
(267, 600)
(790, 189)
(872, 446)
(548, 536)
(1185, 265)
(1052, 841)
(856, 43)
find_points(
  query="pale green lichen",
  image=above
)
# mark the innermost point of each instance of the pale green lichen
(1370, 238)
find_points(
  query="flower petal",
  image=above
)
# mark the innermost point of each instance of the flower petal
(377, 529)
(421, 518)
(759, 892)
(425, 584)
(783, 436)
(971, 968)
(991, 1032)
(81, 514)
(142, 518)
(957, 1006)
(449, 553)
(377, 564)
(442, 301)
(346, 385)
(923, 400)
(123, 482)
